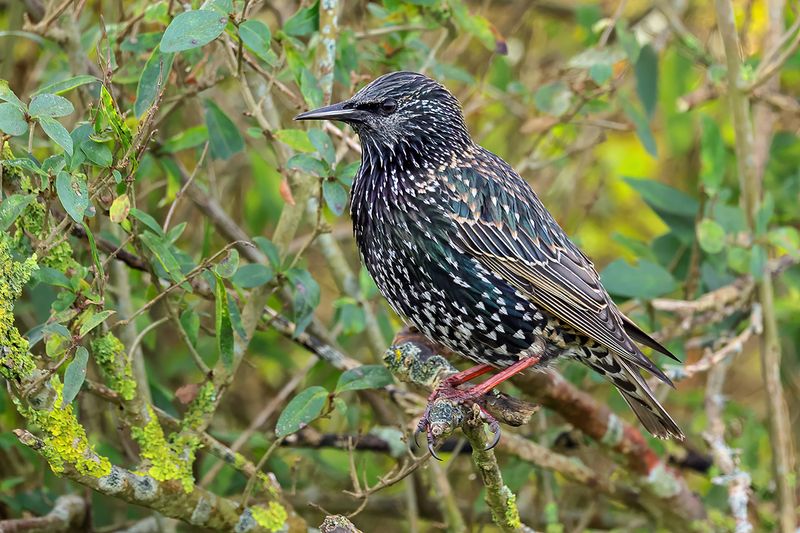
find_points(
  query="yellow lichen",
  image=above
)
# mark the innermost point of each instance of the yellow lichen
(65, 441)
(272, 517)
(15, 362)
(116, 370)
(165, 459)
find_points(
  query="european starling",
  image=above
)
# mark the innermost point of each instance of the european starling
(465, 252)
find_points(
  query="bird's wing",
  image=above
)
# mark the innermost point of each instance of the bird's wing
(502, 223)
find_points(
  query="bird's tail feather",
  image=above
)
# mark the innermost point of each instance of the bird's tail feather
(641, 400)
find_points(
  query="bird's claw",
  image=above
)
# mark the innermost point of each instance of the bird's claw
(494, 427)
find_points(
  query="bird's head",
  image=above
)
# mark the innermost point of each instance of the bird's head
(400, 110)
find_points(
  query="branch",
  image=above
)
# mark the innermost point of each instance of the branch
(783, 460)
(68, 514)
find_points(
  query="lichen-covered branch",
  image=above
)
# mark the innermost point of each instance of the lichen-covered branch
(68, 514)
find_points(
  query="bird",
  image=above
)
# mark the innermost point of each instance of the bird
(465, 252)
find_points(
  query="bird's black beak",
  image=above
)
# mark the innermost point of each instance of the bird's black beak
(331, 112)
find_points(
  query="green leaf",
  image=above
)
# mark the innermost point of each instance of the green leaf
(162, 254)
(256, 37)
(74, 376)
(628, 41)
(192, 29)
(645, 280)
(98, 264)
(304, 22)
(12, 207)
(223, 135)
(601, 73)
(252, 275)
(228, 266)
(301, 411)
(642, 127)
(188, 138)
(712, 156)
(153, 78)
(51, 276)
(307, 163)
(50, 105)
(93, 321)
(677, 209)
(710, 236)
(323, 144)
(305, 298)
(109, 111)
(364, 377)
(297, 139)
(73, 194)
(553, 98)
(7, 95)
(786, 237)
(595, 56)
(335, 196)
(190, 321)
(270, 250)
(63, 86)
(96, 152)
(57, 132)
(646, 69)
(346, 172)
(12, 120)
(223, 327)
(147, 220)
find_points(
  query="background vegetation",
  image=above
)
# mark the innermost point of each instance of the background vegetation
(186, 336)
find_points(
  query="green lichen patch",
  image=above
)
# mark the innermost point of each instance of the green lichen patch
(511, 518)
(272, 517)
(16, 364)
(164, 460)
(202, 405)
(109, 353)
(65, 441)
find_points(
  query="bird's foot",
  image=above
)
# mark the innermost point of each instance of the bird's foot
(449, 408)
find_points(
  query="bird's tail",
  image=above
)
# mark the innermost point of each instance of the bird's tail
(641, 400)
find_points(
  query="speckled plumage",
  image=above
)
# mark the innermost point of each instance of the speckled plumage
(463, 249)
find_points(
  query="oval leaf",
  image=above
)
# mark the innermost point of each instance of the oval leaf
(93, 321)
(711, 236)
(192, 29)
(256, 35)
(224, 329)
(252, 275)
(302, 410)
(74, 376)
(50, 105)
(223, 135)
(335, 196)
(73, 193)
(12, 121)
(12, 207)
(120, 208)
(57, 132)
(364, 377)
(227, 267)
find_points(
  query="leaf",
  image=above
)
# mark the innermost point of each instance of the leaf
(223, 135)
(270, 250)
(163, 255)
(712, 156)
(223, 327)
(96, 152)
(553, 98)
(710, 236)
(147, 220)
(305, 298)
(335, 196)
(646, 70)
(57, 132)
(51, 276)
(190, 321)
(93, 321)
(255, 35)
(98, 264)
(364, 377)
(228, 266)
(154, 76)
(7, 95)
(73, 194)
(188, 138)
(323, 144)
(307, 163)
(628, 41)
(74, 376)
(12, 207)
(297, 139)
(646, 280)
(50, 105)
(109, 111)
(642, 127)
(192, 29)
(594, 56)
(63, 86)
(304, 22)
(301, 411)
(601, 72)
(677, 209)
(252, 275)
(120, 208)
(12, 120)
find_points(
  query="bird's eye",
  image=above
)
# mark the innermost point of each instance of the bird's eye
(388, 106)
